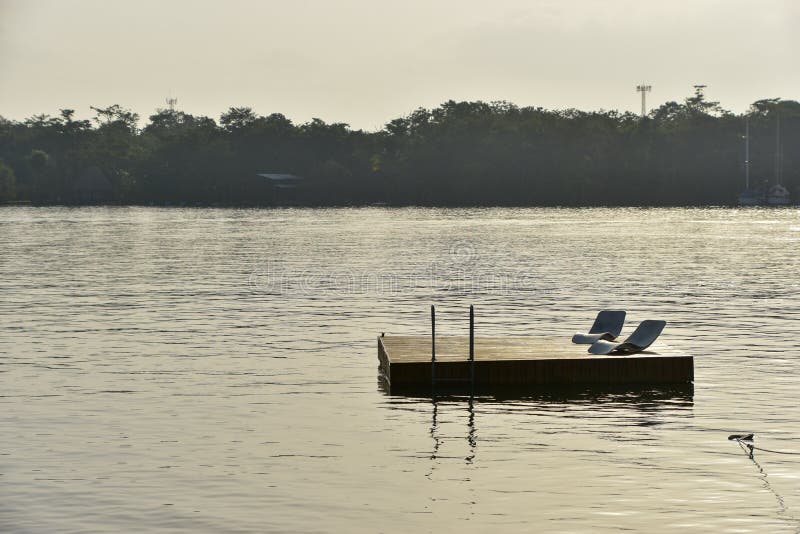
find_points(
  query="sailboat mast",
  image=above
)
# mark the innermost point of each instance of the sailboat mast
(778, 151)
(747, 152)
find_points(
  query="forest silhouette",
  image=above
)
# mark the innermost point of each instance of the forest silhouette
(458, 154)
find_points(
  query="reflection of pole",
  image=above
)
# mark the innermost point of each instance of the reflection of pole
(471, 433)
(434, 426)
(644, 89)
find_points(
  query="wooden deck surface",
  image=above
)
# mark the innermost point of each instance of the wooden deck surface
(522, 361)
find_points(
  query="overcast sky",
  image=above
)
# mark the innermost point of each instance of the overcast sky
(366, 62)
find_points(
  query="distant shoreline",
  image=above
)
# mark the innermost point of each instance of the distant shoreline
(371, 205)
(461, 154)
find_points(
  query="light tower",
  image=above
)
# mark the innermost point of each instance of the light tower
(699, 89)
(644, 89)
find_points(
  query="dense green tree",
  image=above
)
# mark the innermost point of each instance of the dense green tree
(116, 116)
(237, 118)
(8, 183)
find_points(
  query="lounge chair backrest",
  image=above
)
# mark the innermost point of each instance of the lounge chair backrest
(608, 321)
(646, 333)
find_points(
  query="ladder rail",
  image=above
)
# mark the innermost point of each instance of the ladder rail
(471, 360)
(472, 344)
(433, 344)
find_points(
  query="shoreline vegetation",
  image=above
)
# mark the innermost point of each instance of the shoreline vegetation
(459, 154)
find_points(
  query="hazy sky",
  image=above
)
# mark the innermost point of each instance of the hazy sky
(367, 61)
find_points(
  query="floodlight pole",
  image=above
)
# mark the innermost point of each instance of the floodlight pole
(644, 89)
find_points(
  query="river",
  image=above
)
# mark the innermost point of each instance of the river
(171, 369)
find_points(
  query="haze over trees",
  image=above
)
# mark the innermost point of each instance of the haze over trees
(461, 153)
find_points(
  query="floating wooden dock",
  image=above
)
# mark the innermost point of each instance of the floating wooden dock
(522, 362)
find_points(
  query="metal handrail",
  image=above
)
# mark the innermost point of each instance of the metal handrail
(471, 360)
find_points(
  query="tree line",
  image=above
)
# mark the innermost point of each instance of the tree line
(460, 153)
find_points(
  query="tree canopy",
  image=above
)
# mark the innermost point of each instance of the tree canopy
(460, 153)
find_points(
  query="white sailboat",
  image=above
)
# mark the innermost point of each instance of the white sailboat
(778, 195)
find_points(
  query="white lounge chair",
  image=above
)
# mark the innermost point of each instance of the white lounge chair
(607, 325)
(641, 338)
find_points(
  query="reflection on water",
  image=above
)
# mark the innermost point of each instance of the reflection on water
(647, 400)
(215, 370)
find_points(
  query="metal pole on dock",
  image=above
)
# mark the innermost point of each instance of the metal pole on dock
(471, 344)
(433, 345)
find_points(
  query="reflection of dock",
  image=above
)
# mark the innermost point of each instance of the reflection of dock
(521, 362)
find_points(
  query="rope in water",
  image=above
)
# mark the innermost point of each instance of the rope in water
(764, 477)
(746, 441)
(775, 452)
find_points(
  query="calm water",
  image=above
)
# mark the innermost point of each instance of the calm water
(215, 369)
